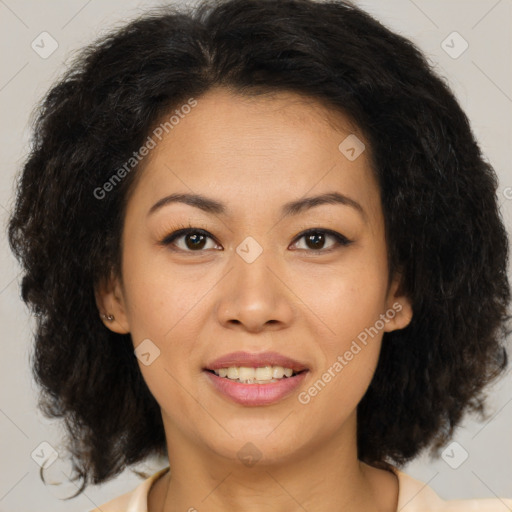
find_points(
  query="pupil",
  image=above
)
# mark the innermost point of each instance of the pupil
(316, 240)
(317, 244)
(196, 240)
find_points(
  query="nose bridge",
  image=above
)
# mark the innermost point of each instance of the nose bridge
(251, 261)
(252, 295)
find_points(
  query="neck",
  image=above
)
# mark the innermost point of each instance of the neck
(326, 476)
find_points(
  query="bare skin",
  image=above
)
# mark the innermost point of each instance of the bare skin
(382, 489)
(197, 304)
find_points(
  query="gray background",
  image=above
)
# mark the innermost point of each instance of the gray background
(482, 80)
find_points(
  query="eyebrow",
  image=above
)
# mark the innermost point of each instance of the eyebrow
(215, 207)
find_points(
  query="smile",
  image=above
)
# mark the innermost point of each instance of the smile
(251, 390)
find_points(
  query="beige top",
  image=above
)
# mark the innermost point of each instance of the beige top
(413, 496)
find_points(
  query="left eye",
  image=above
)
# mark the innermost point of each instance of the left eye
(317, 237)
(195, 239)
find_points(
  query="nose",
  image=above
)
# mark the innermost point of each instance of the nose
(255, 296)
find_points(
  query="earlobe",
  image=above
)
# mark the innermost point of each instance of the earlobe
(111, 305)
(399, 308)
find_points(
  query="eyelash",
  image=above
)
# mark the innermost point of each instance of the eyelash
(341, 241)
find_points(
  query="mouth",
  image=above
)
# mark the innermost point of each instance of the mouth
(252, 392)
(252, 379)
(255, 375)
(254, 368)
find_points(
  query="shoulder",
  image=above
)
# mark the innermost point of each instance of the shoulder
(416, 496)
(133, 501)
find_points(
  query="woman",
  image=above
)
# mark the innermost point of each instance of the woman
(253, 235)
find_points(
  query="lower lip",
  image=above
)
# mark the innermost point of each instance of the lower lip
(256, 394)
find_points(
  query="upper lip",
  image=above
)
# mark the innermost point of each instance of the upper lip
(252, 360)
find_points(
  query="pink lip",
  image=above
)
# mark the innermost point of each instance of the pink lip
(256, 361)
(255, 394)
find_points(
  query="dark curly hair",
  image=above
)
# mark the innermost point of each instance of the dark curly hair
(443, 227)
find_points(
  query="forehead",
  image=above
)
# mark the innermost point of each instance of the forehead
(251, 150)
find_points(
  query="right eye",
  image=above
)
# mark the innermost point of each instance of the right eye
(193, 239)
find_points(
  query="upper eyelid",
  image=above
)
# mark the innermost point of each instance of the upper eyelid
(178, 233)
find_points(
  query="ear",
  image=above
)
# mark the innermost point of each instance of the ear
(109, 294)
(400, 304)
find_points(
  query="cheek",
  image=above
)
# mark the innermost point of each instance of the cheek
(348, 300)
(161, 298)
(350, 353)
(350, 306)
(335, 392)
(161, 309)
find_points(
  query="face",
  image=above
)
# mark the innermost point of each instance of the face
(309, 282)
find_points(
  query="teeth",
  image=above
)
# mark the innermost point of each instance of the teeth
(248, 375)
(232, 373)
(263, 373)
(277, 372)
(245, 373)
